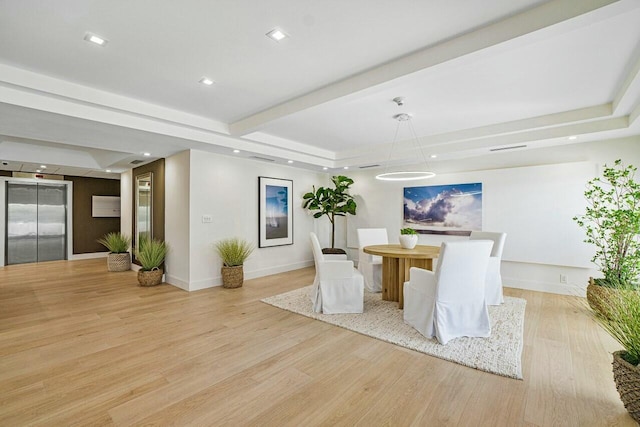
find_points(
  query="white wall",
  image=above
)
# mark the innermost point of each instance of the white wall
(126, 204)
(3, 219)
(176, 219)
(534, 205)
(226, 188)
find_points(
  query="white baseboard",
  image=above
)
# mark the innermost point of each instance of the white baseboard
(89, 255)
(205, 284)
(212, 282)
(278, 269)
(553, 288)
(177, 282)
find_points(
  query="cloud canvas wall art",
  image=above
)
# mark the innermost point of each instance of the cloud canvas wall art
(274, 212)
(277, 211)
(444, 209)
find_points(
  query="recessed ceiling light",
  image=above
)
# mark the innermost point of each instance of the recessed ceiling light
(289, 161)
(346, 167)
(38, 170)
(277, 34)
(433, 156)
(572, 137)
(93, 38)
(236, 151)
(206, 81)
(325, 168)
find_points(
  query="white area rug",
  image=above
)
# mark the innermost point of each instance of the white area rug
(499, 354)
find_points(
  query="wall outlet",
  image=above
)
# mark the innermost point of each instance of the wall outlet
(563, 278)
(207, 219)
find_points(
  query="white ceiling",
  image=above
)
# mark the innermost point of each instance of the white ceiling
(475, 75)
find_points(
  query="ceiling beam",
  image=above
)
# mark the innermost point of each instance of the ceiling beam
(491, 131)
(54, 88)
(532, 20)
(627, 93)
(560, 133)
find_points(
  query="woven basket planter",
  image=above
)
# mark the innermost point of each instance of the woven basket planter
(150, 278)
(598, 296)
(232, 277)
(119, 262)
(627, 378)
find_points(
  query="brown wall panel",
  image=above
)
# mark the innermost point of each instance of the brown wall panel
(157, 188)
(86, 228)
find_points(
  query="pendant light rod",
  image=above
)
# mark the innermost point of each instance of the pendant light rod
(404, 175)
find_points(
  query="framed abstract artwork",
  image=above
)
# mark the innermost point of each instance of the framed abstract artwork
(275, 212)
(444, 209)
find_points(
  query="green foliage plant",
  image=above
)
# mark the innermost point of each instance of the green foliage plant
(331, 202)
(115, 242)
(612, 224)
(234, 251)
(151, 253)
(408, 231)
(622, 321)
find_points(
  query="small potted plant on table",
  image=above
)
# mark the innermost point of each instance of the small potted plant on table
(118, 246)
(408, 238)
(151, 254)
(234, 252)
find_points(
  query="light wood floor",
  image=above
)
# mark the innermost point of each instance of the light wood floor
(81, 346)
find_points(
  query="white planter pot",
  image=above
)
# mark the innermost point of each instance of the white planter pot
(408, 241)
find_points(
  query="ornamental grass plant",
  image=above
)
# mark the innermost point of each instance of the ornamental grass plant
(115, 242)
(234, 251)
(621, 320)
(151, 253)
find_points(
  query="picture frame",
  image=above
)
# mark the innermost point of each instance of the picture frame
(275, 212)
(451, 209)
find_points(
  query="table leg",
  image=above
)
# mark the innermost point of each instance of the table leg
(389, 278)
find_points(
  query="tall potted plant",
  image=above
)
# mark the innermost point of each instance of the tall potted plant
(233, 252)
(118, 246)
(151, 254)
(331, 202)
(612, 224)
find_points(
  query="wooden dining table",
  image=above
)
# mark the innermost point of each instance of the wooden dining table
(396, 262)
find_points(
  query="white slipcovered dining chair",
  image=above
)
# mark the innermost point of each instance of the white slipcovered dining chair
(493, 285)
(371, 265)
(338, 287)
(450, 303)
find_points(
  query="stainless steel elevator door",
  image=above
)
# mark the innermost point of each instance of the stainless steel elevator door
(22, 223)
(36, 222)
(52, 222)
